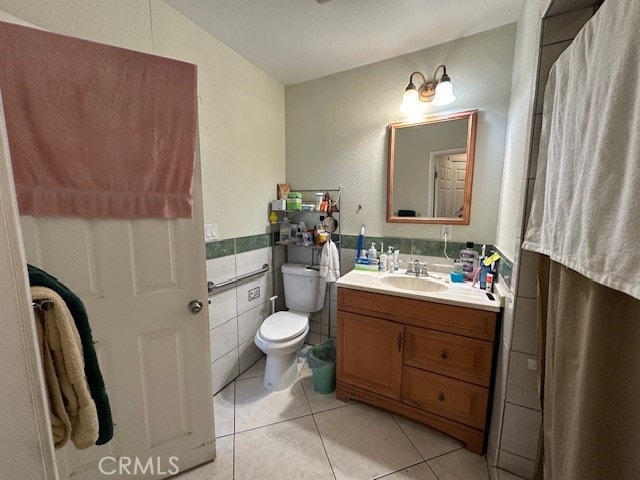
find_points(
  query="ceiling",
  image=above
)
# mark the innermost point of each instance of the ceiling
(298, 40)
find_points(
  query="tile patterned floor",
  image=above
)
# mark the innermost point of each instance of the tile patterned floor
(300, 434)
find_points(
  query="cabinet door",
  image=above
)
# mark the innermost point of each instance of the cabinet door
(370, 353)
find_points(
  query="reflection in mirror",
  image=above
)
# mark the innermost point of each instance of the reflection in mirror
(431, 169)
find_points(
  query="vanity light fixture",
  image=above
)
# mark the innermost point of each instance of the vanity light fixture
(438, 91)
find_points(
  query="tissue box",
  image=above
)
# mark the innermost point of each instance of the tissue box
(279, 205)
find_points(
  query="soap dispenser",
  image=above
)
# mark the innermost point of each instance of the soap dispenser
(373, 253)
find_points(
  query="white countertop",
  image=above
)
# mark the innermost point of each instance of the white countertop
(459, 294)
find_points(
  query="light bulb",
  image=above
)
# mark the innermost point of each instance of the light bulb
(410, 102)
(444, 93)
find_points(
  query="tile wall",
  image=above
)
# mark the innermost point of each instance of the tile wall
(233, 318)
(516, 418)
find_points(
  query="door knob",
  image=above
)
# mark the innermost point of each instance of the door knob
(195, 306)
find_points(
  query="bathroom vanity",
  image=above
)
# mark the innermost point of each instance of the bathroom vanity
(424, 350)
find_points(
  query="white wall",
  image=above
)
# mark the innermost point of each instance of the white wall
(337, 130)
(241, 108)
(519, 130)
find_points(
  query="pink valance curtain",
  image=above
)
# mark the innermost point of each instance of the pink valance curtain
(97, 131)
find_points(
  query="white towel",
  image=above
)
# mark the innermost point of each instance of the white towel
(586, 204)
(330, 263)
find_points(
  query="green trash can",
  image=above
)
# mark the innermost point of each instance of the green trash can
(322, 361)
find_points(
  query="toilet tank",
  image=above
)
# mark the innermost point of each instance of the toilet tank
(301, 288)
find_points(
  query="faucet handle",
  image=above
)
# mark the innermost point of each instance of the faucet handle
(423, 269)
(409, 268)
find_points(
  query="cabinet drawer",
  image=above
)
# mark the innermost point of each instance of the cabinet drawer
(449, 398)
(451, 355)
(468, 322)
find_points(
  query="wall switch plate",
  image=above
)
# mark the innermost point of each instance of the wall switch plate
(445, 230)
(254, 293)
(210, 232)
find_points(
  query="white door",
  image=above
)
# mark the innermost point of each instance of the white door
(450, 174)
(136, 279)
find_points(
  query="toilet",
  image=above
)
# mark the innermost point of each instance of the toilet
(282, 334)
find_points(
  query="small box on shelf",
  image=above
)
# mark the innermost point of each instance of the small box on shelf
(279, 205)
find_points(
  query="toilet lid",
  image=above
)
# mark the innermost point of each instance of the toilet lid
(283, 326)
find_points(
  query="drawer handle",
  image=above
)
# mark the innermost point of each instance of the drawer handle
(444, 355)
(399, 341)
(441, 397)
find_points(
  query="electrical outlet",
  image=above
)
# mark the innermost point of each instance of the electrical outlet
(445, 230)
(254, 293)
(210, 232)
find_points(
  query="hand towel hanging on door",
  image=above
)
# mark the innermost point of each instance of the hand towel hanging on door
(39, 277)
(97, 131)
(73, 411)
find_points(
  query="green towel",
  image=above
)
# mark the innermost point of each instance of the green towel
(41, 278)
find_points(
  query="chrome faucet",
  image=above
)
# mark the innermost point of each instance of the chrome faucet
(417, 269)
(423, 270)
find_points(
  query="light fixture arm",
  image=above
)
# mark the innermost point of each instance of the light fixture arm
(424, 80)
(436, 80)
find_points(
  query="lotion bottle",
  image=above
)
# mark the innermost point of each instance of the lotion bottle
(373, 253)
(382, 266)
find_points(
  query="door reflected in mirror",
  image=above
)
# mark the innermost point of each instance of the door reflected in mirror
(431, 169)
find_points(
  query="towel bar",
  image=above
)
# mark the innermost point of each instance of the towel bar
(212, 287)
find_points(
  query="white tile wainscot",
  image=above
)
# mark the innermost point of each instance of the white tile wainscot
(233, 318)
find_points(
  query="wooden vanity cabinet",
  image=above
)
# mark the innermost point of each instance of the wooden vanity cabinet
(427, 361)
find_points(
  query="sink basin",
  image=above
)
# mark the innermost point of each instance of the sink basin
(413, 283)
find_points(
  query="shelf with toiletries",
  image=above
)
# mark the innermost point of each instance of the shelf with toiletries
(289, 244)
(304, 220)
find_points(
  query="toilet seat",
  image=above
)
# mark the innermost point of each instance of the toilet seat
(283, 326)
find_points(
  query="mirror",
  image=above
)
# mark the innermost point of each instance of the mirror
(431, 169)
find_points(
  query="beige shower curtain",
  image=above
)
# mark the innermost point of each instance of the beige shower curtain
(584, 221)
(591, 377)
